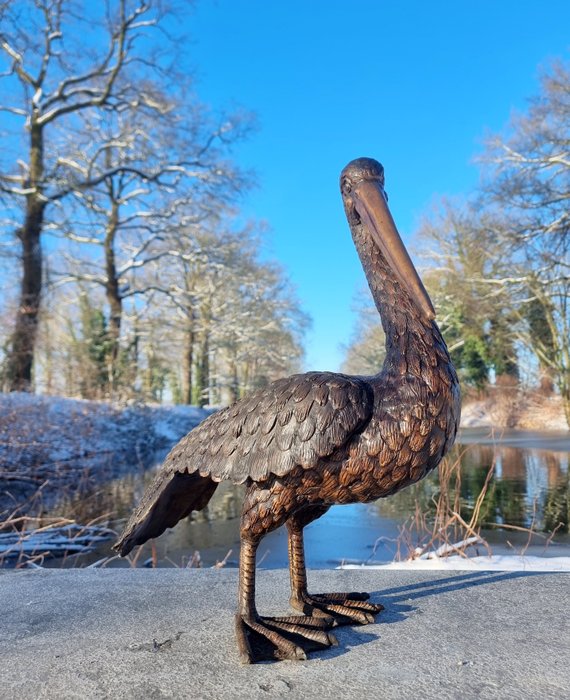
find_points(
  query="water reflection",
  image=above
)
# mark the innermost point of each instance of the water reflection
(529, 486)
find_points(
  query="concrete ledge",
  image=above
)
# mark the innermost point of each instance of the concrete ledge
(89, 634)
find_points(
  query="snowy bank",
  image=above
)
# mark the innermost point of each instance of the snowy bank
(60, 445)
(455, 562)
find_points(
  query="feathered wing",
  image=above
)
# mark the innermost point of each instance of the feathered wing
(168, 499)
(294, 422)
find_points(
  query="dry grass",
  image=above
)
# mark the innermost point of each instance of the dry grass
(446, 532)
(442, 531)
(27, 541)
(509, 406)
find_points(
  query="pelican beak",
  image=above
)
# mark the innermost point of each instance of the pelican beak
(371, 205)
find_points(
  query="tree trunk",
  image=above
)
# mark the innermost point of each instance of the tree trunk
(113, 295)
(546, 381)
(565, 393)
(202, 371)
(233, 389)
(187, 366)
(20, 360)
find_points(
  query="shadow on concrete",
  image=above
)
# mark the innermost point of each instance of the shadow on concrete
(397, 602)
(469, 579)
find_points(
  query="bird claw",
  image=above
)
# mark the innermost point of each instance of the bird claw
(344, 608)
(279, 638)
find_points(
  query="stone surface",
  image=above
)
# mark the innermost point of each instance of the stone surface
(169, 634)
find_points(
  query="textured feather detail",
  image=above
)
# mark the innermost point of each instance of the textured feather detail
(168, 499)
(294, 421)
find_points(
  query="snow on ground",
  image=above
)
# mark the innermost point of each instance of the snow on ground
(454, 557)
(496, 562)
(170, 423)
(61, 428)
(61, 444)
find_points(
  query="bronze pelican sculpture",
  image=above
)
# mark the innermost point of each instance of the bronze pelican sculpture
(307, 442)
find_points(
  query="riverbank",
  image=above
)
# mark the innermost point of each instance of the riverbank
(53, 447)
(505, 408)
(169, 633)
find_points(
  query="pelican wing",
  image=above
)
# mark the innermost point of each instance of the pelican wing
(295, 421)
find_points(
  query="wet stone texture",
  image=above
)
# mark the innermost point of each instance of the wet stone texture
(169, 634)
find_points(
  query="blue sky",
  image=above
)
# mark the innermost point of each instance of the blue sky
(414, 84)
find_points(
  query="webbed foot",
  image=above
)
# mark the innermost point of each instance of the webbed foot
(278, 638)
(345, 608)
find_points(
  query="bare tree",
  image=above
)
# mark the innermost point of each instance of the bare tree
(157, 174)
(261, 337)
(500, 267)
(55, 78)
(238, 323)
(464, 246)
(529, 183)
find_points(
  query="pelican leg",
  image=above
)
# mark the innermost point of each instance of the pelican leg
(270, 638)
(344, 608)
